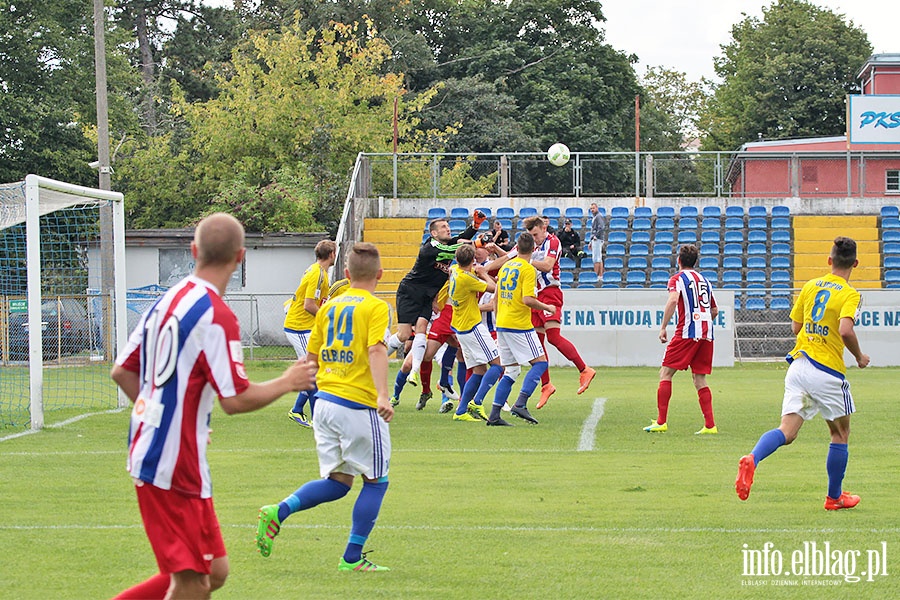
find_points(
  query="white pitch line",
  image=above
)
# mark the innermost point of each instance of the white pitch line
(61, 423)
(589, 429)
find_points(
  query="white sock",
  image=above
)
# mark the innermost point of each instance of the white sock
(394, 344)
(418, 351)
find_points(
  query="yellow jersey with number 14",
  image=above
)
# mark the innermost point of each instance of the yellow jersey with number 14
(822, 303)
(346, 327)
(516, 280)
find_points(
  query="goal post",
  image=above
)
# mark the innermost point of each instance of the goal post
(58, 281)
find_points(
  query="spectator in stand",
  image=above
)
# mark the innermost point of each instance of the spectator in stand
(598, 238)
(570, 241)
(500, 236)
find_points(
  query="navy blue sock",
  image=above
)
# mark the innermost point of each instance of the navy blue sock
(529, 384)
(768, 443)
(836, 464)
(399, 383)
(312, 402)
(447, 365)
(300, 402)
(461, 375)
(312, 493)
(468, 392)
(501, 394)
(487, 382)
(365, 513)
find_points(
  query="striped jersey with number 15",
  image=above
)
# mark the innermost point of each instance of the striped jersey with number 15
(695, 303)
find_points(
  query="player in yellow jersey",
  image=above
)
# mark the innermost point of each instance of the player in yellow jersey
(479, 349)
(822, 319)
(338, 287)
(351, 425)
(517, 340)
(301, 316)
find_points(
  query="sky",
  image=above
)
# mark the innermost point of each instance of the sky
(686, 35)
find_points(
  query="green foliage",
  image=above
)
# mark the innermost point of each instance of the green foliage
(283, 205)
(784, 76)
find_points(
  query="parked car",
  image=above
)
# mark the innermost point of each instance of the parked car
(65, 326)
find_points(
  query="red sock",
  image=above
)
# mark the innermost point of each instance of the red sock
(425, 375)
(545, 377)
(153, 588)
(565, 347)
(663, 395)
(705, 397)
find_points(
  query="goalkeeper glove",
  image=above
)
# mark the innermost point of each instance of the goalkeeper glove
(478, 218)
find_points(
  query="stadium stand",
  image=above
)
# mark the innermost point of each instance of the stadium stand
(437, 212)
(666, 212)
(527, 211)
(574, 212)
(459, 212)
(712, 211)
(644, 212)
(505, 212)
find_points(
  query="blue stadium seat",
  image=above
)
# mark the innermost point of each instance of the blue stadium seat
(757, 223)
(612, 277)
(641, 223)
(506, 224)
(734, 236)
(758, 236)
(756, 276)
(891, 248)
(659, 277)
(781, 223)
(734, 211)
(780, 303)
(666, 237)
(688, 211)
(687, 237)
(566, 277)
(662, 249)
(643, 212)
(733, 250)
(780, 277)
(737, 302)
(665, 212)
(733, 262)
(437, 212)
(426, 237)
(574, 212)
(757, 211)
(587, 263)
(708, 262)
(755, 304)
(687, 223)
(459, 212)
(551, 212)
(730, 276)
(709, 249)
(711, 276)
(658, 286)
(640, 237)
(890, 223)
(639, 250)
(521, 225)
(566, 263)
(734, 223)
(661, 262)
(665, 223)
(616, 237)
(576, 223)
(756, 249)
(527, 211)
(890, 235)
(638, 277)
(892, 276)
(712, 211)
(710, 236)
(781, 249)
(485, 226)
(780, 262)
(781, 235)
(637, 262)
(615, 250)
(505, 212)
(781, 289)
(619, 211)
(587, 279)
(457, 226)
(781, 211)
(617, 223)
(756, 262)
(711, 223)
(614, 262)
(890, 211)
(892, 262)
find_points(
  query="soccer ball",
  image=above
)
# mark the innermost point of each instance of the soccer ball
(558, 154)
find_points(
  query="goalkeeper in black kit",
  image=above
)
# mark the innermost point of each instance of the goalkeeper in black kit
(417, 290)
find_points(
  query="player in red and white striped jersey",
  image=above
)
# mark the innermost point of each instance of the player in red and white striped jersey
(185, 351)
(691, 300)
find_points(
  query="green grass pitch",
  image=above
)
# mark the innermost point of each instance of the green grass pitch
(559, 510)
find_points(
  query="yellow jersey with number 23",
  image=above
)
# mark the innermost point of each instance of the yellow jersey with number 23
(516, 280)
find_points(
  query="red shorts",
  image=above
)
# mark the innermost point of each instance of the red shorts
(682, 353)
(549, 295)
(183, 531)
(440, 328)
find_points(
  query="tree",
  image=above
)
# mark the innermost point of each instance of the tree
(786, 75)
(679, 101)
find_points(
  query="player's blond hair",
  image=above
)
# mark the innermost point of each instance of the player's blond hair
(324, 249)
(465, 255)
(364, 262)
(218, 237)
(535, 221)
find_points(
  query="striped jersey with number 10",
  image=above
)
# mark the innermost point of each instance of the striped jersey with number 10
(695, 303)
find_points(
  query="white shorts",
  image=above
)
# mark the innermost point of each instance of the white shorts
(299, 340)
(351, 441)
(597, 250)
(478, 347)
(518, 347)
(809, 391)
